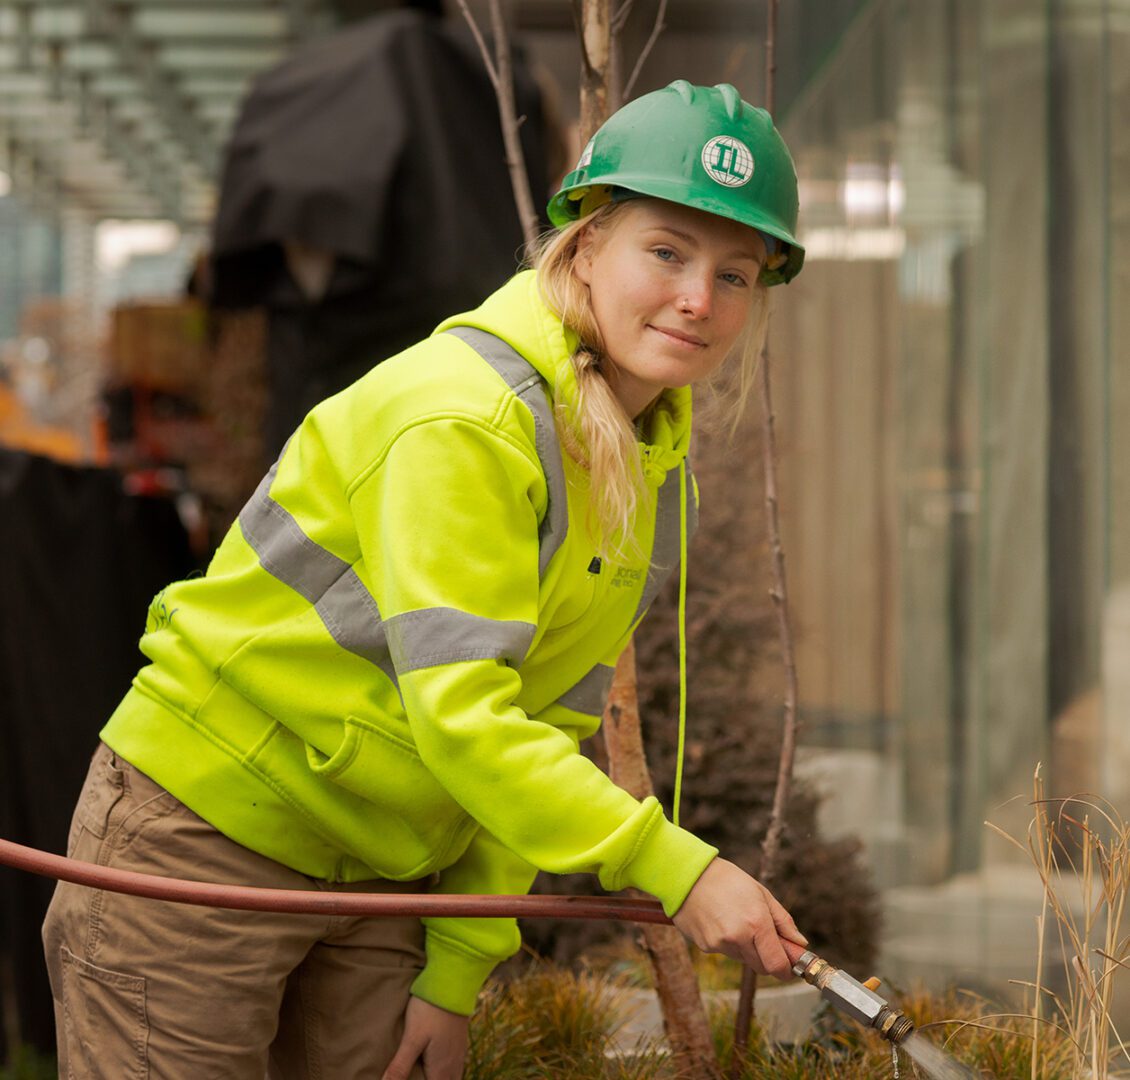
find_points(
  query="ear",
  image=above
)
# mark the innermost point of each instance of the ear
(582, 261)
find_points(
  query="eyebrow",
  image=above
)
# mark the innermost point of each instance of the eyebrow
(737, 253)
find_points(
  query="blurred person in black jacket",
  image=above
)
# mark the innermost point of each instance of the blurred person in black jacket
(365, 195)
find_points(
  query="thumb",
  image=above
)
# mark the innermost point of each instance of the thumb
(786, 928)
(792, 950)
(407, 1054)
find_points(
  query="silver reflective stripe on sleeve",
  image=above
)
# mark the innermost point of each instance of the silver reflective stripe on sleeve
(345, 606)
(588, 695)
(522, 377)
(431, 636)
(665, 546)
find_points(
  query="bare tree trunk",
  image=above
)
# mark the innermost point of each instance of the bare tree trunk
(595, 28)
(684, 1018)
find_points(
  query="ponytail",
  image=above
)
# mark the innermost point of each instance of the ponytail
(595, 430)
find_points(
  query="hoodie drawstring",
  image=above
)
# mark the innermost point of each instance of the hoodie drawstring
(682, 639)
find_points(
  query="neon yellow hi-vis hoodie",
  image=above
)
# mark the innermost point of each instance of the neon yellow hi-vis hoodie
(396, 649)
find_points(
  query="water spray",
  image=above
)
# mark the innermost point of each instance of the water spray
(857, 999)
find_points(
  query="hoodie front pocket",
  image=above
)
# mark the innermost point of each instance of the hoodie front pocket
(386, 770)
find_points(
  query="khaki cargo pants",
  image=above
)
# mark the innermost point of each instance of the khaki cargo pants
(164, 991)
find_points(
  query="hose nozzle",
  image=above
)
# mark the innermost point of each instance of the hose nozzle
(859, 1001)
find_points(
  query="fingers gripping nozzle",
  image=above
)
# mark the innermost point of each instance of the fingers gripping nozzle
(859, 1001)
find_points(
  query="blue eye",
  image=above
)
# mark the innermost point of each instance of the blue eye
(734, 279)
(666, 254)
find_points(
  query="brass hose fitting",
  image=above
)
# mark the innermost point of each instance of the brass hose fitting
(859, 1001)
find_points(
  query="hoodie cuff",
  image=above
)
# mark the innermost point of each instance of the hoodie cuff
(452, 977)
(668, 863)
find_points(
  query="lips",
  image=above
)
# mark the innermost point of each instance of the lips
(679, 336)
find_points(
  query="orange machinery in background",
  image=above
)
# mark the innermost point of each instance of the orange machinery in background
(134, 400)
(20, 431)
(173, 397)
(157, 362)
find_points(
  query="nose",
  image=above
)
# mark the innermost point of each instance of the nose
(696, 299)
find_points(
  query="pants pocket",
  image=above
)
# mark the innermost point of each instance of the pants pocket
(101, 792)
(105, 1026)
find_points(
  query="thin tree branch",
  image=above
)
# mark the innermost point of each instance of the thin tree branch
(771, 59)
(615, 79)
(502, 76)
(579, 23)
(515, 157)
(620, 18)
(492, 71)
(771, 845)
(656, 30)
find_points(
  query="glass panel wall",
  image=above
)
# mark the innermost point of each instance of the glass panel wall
(953, 372)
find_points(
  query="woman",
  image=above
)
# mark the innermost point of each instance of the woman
(381, 683)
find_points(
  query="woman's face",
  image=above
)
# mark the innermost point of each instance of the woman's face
(672, 288)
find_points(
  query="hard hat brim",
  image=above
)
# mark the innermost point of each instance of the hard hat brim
(564, 208)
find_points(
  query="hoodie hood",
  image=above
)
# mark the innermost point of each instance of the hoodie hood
(519, 315)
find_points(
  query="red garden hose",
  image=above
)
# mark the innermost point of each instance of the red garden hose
(297, 901)
(856, 999)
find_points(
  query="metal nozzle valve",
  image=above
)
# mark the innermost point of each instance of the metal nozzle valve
(858, 1001)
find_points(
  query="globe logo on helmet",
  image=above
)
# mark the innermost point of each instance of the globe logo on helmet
(727, 161)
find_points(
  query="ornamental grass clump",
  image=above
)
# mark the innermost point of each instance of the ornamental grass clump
(992, 1045)
(1080, 845)
(554, 1024)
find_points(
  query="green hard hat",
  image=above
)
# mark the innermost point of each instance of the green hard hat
(701, 146)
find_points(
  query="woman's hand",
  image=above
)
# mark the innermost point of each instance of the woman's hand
(434, 1037)
(728, 911)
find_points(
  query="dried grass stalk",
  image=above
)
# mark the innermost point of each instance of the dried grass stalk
(1080, 842)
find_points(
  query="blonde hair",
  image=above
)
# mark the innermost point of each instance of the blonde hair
(731, 385)
(596, 432)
